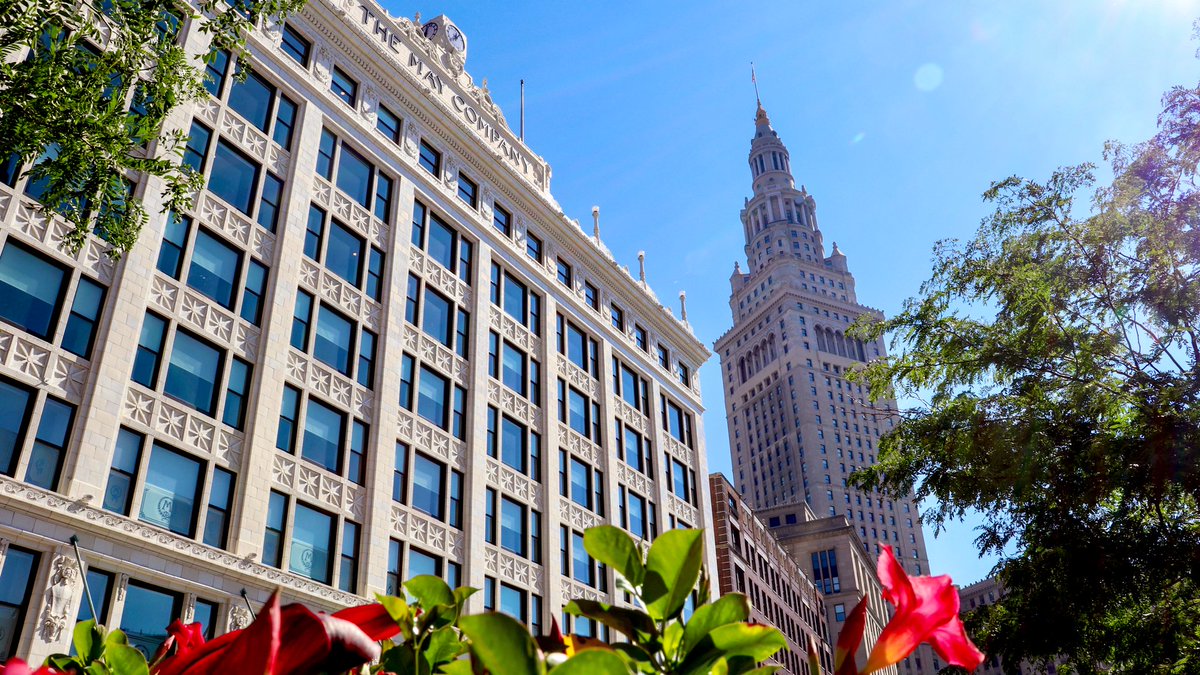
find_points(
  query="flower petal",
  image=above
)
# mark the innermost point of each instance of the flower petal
(850, 639)
(252, 650)
(936, 604)
(951, 643)
(897, 589)
(373, 619)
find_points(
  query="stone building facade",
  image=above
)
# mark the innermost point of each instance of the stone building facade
(752, 562)
(374, 348)
(797, 426)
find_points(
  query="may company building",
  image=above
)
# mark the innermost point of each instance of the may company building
(373, 349)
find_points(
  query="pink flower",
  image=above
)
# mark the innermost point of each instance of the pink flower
(19, 667)
(926, 611)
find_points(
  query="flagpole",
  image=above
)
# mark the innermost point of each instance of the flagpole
(755, 81)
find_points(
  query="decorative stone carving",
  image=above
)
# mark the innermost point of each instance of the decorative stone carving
(239, 618)
(324, 64)
(59, 594)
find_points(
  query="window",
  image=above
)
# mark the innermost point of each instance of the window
(295, 45)
(512, 526)
(664, 357)
(468, 190)
(260, 104)
(510, 365)
(147, 613)
(564, 273)
(637, 523)
(512, 602)
(591, 295)
(422, 563)
(679, 481)
(118, 493)
(394, 578)
(825, 571)
(586, 484)
(633, 388)
(430, 159)
(579, 412)
(220, 501)
(577, 564)
(388, 124)
(358, 178)
(533, 247)
(214, 267)
(675, 421)
(684, 373)
(334, 342)
(442, 242)
(101, 585)
(518, 301)
(348, 563)
(49, 445)
(273, 538)
(514, 444)
(618, 318)
(639, 338)
(343, 87)
(839, 612)
(81, 322)
(31, 290)
(193, 373)
(435, 491)
(324, 428)
(171, 491)
(16, 585)
(634, 449)
(580, 349)
(328, 433)
(215, 70)
(344, 252)
(311, 543)
(502, 220)
(233, 177)
(441, 319)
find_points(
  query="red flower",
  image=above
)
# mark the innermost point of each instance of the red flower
(926, 611)
(18, 667)
(312, 643)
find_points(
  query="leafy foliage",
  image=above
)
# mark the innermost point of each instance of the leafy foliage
(1056, 357)
(85, 107)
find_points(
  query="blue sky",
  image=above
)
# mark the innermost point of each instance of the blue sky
(897, 116)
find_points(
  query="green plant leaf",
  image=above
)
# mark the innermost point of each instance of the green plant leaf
(730, 608)
(613, 547)
(672, 637)
(754, 641)
(442, 646)
(500, 644)
(631, 622)
(126, 660)
(430, 591)
(460, 667)
(672, 568)
(592, 662)
(88, 639)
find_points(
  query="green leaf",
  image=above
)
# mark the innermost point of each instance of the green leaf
(672, 638)
(754, 641)
(88, 639)
(672, 568)
(592, 662)
(430, 591)
(613, 547)
(460, 667)
(126, 660)
(442, 646)
(500, 644)
(631, 622)
(730, 608)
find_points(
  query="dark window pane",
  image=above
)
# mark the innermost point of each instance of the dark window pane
(285, 122)
(388, 123)
(148, 611)
(197, 147)
(428, 479)
(344, 253)
(285, 435)
(273, 536)
(431, 397)
(325, 154)
(430, 159)
(383, 198)
(16, 401)
(312, 544)
(252, 294)
(234, 177)
(81, 323)
(31, 289)
(271, 202)
(421, 564)
(220, 497)
(441, 242)
(215, 69)
(126, 456)
(354, 176)
(171, 490)
(214, 268)
(314, 231)
(335, 337)
(323, 428)
(252, 100)
(170, 255)
(512, 526)
(343, 86)
(436, 320)
(295, 45)
(54, 429)
(193, 372)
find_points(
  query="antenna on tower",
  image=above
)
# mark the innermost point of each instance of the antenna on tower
(754, 79)
(522, 109)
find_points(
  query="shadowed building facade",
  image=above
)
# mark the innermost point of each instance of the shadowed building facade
(797, 426)
(375, 348)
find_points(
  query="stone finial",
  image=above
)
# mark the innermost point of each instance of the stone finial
(642, 267)
(683, 306)
(596, 223)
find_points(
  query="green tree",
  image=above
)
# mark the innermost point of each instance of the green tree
(85, 88)
(1054, 357)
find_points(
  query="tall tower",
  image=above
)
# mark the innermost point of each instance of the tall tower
(797, 427)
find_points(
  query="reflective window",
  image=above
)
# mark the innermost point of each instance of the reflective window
(388, 124)
(214, 269)
(119, 491)
(423, 564)
(581, 483)
(468, 190)
(354, 176)
(252, 100)
(147, 613)
(431, 397)
(430, 159)
(234, 177)
(512, 602)
(343, 87)
(394, 578)
(171, 491)
(295, 45)
(428, 479)
(31, 290)
(438, 316)
(273, 536)
(149, 351)
(16, 584)
(502, 220)
(192, 374)
(80, 332)
(17, 401)
(512, 526)
(311, 543)
(54, 430)
(323, 429)
(334, 340)
(220, 501)
(196, 150)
